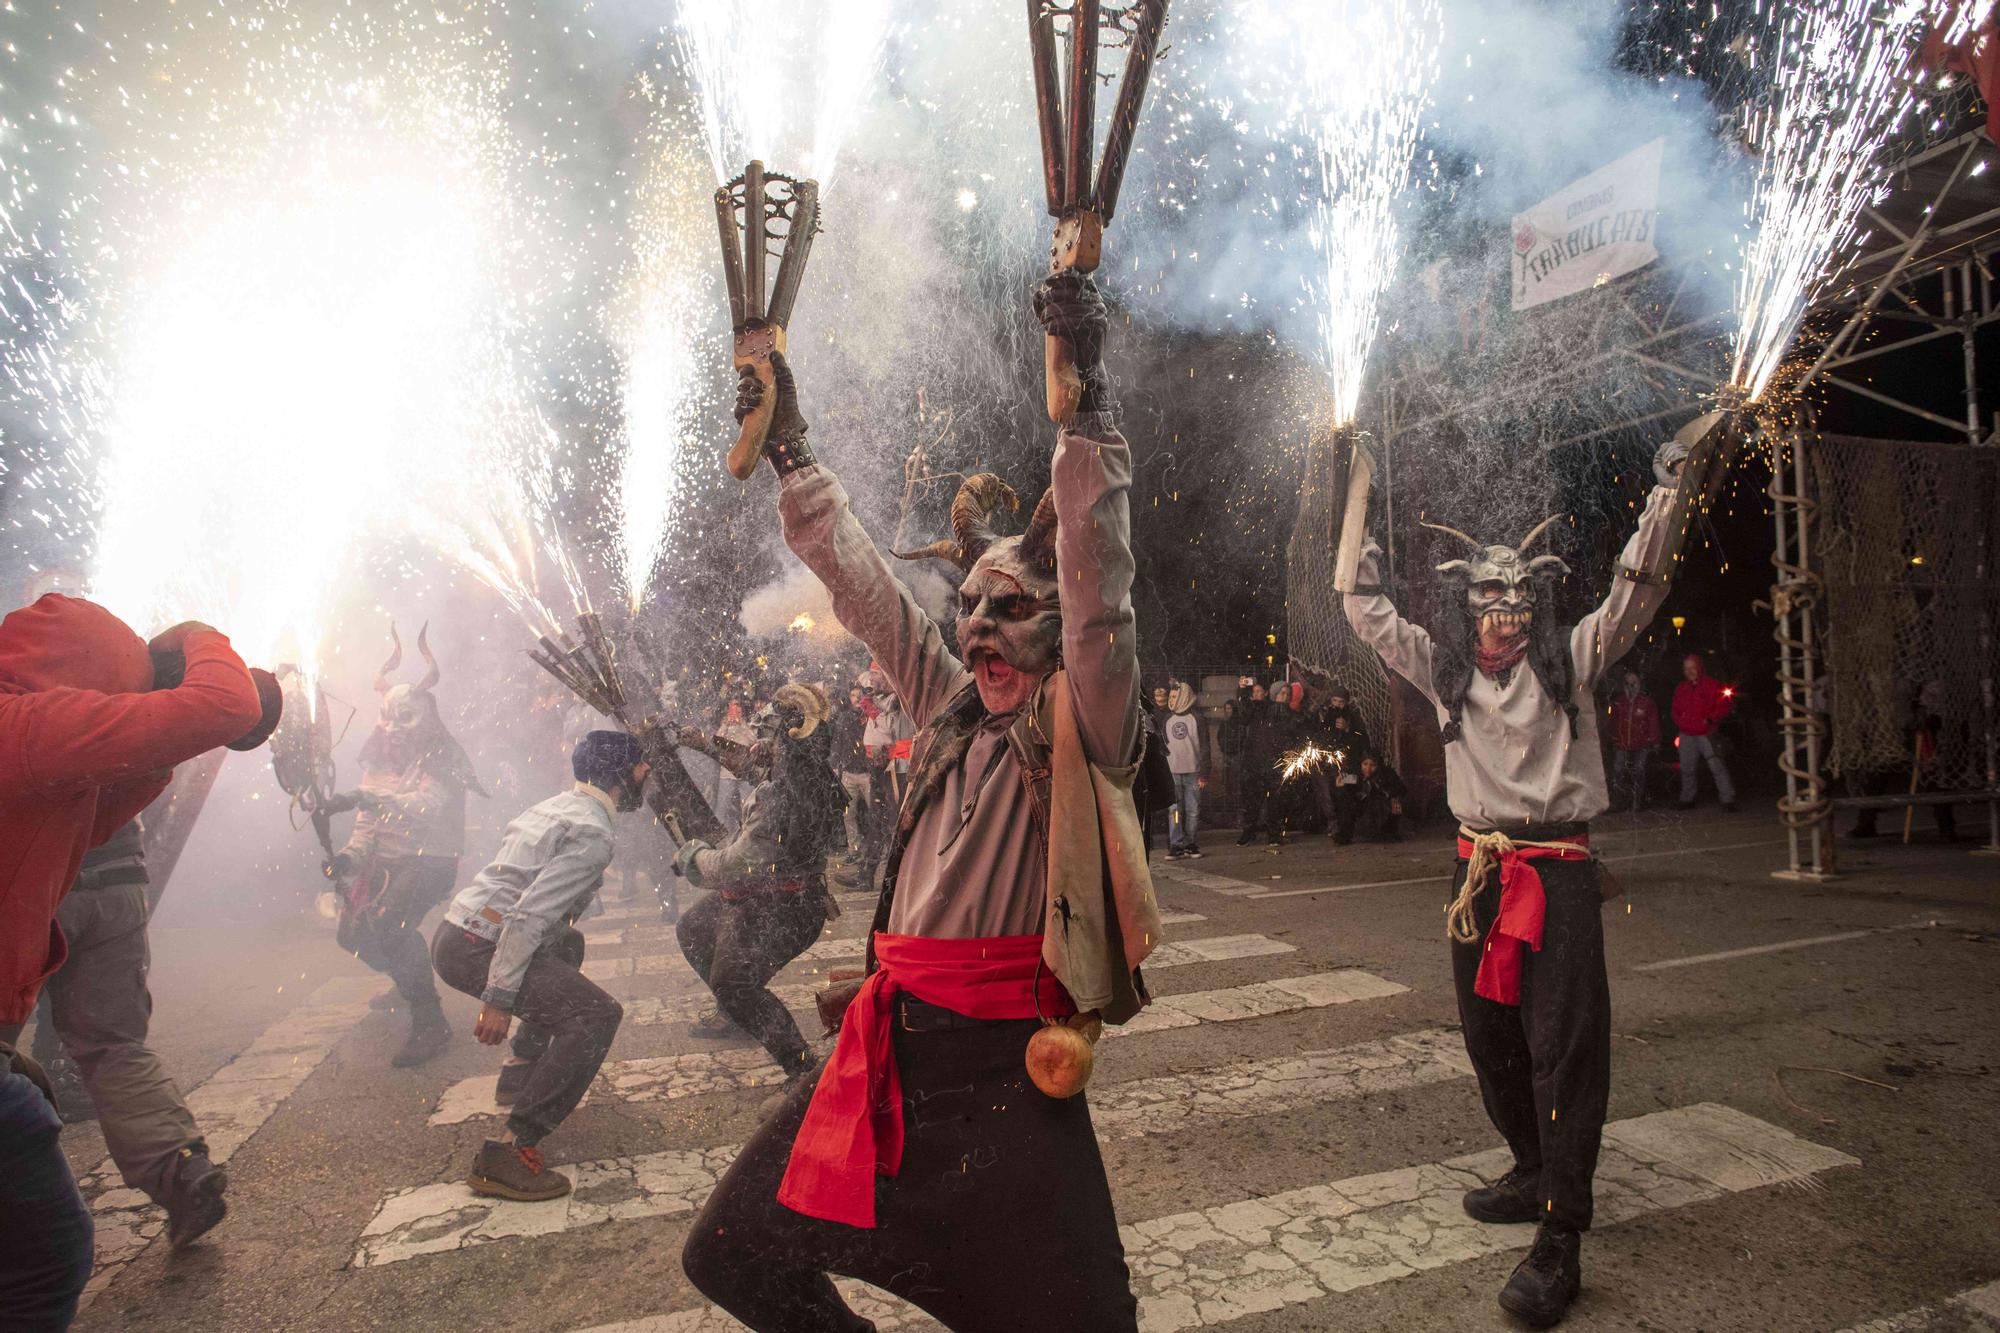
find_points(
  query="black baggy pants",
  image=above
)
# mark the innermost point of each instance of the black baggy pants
(1544, 1066)
(737, 946)
(567, 1022)
(1000, 1219)
(383, 929)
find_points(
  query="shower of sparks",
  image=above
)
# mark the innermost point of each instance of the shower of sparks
(788, 90)
(281, 307)
(1308, 758)
(1842, 77)
(1366, 69)
(802, 623)
(671, 314)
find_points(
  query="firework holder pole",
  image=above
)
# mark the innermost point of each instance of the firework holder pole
(589, 670)
(1805, 809)
(1066, 105)
(748, 214)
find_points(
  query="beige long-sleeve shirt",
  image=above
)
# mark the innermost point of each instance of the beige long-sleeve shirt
(1515, 761)
(975, 864)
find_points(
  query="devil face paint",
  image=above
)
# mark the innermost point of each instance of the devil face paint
(1009, 629)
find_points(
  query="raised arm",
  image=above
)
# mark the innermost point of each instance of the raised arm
(1639, 586)
(820, 527)
(1404, 648)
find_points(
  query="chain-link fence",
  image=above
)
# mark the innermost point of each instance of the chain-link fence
(1906, 536)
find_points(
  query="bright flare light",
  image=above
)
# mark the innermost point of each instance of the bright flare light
(756, 70)
(1308, 758)
(1366, 68)
(1841, 78)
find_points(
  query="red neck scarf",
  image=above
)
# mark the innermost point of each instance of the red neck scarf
(854, 1127)
(1517, 926)
(1504, 660)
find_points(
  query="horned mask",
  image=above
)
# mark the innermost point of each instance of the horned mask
(1500, 582)
(1008, 604)
(407, 709)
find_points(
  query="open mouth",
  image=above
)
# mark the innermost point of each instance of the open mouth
(1505, 623)
(990, 669)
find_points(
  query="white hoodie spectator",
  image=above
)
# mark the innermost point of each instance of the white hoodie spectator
(1187, 756)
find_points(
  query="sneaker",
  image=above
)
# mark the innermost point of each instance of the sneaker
(429, 1035)
(1515, 1197)
(714, 1025)
(509, 1171)
(388, 999)
(194, 1199)
(513, 1077)
(1541, 1289)
(1245, 838)
(1194, 853)
(1175, 853)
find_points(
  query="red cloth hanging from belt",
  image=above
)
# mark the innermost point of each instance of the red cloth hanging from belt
(854, 1126)
(1517, 926)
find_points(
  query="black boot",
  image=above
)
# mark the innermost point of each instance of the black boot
(1515, 1197)
(1541, 1289)
(194, 1196)
(429, 1035)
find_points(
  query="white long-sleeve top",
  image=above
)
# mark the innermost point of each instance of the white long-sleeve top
(1515, 761)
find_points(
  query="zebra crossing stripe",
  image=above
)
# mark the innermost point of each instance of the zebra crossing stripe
(229, 1107)
(1261, 1255)
(698, 1073)
(647, 928)
(1981, 1305)
(435, 1218)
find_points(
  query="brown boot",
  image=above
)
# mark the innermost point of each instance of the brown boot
(509, 1171)
(429, 1036)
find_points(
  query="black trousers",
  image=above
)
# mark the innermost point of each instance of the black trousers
(999, 1221)
(1544, 1066)
(737, 947)
(567, 1022)
(382, 929)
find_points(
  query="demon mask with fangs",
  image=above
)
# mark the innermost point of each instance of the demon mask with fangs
(1009, 618)
(1493, 599)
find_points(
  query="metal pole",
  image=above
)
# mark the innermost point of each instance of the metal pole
(1822, 814)
(1970, 319)
(1781, 615)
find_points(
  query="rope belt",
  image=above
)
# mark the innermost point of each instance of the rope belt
(1517, 926)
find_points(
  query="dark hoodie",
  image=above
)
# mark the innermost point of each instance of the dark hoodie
(85, 745)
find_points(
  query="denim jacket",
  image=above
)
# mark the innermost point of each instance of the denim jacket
(550, 865)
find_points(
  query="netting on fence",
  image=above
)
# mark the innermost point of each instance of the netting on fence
(1905, 541)
(1316, 630)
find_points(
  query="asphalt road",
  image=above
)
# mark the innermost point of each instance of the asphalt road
(1804, 1107)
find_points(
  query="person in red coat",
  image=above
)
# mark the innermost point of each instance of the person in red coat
(1635, 730)
(86, 743)
(1700, 702)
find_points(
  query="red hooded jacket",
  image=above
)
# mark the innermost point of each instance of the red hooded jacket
(85, 745)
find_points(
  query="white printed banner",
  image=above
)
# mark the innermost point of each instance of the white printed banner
(1598, 229)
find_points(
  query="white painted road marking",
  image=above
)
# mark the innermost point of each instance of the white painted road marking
(229, 1107)
(1780, 946)
(697, 1073)
(1256, 1256)
(648, 928)
(1981, 1303)
(1447, 878)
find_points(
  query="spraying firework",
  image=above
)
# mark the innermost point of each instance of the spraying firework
(1839, 82)
(1306, 760)
(1068, 115)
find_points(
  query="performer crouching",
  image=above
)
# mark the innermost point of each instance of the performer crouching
(921, 1159)
(508, 939)
(1524, 777)
(770, 900)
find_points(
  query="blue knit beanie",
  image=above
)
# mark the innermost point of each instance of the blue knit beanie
(604, 758)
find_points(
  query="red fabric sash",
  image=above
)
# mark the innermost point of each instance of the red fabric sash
(1495, 663)
(1517, 926)
(854, 1127)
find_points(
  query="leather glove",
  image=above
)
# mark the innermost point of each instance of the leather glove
(785, 445)
(1669, 461)
(1070, 307)
(340, 802)
(684, 865)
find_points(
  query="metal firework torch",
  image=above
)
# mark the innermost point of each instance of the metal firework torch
(1067, 104)
(751, 212)
(590, 671)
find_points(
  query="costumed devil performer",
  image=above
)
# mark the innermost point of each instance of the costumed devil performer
(770, 900)
(1015, 895)
(401, 858)
(1524, 776)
